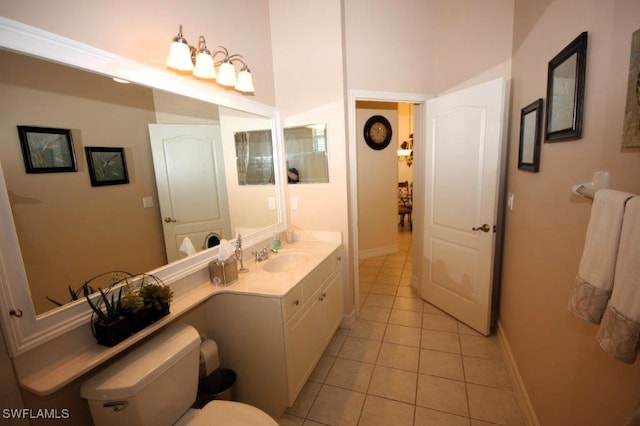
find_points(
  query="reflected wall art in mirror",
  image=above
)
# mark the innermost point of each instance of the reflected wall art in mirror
(64, 230)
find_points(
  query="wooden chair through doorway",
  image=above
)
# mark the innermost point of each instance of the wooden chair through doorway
(405, 203)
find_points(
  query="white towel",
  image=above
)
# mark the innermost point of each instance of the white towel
(595, 273)
(620, 328)
(187, 247)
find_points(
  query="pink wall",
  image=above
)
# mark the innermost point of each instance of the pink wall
(570, 380)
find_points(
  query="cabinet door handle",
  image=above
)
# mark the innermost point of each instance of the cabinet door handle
(296, 302)
(322, 296)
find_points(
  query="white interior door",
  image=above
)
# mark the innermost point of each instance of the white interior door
(189, 169)
(462, 180)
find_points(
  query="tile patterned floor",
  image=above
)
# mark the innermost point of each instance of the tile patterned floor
(405, 362)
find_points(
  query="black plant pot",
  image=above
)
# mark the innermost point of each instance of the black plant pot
(113, 333)
(140, 319)
(159, 311)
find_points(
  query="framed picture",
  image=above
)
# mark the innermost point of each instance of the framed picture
(565, 92)
(47, 150)
(530, 135)
(631, 128)
(107, 166)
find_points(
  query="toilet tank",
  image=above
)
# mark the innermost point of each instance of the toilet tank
(152, 385)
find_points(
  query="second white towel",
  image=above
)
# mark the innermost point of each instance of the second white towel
(595, 273)
(619, 332)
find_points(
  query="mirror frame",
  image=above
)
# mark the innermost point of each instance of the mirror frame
(28, 331)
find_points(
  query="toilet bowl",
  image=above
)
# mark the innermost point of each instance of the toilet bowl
(156, 384)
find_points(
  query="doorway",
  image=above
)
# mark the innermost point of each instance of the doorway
(391, 178)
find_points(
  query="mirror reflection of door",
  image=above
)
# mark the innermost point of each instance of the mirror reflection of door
(190, 178)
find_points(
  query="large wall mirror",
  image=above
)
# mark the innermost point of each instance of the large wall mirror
(182, 186)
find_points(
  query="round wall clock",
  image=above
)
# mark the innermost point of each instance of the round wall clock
(377, 132)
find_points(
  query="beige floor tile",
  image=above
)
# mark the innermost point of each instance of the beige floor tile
(480, 346)
(399, 356)
(319, 374)
(427, 417)
(334, 346)
(494, 405)
(362, 350)
(394, 384)
(289, 420)
(312, 423)
(382, 300)
(408, 318)
(405, 280)
(440, 341)
(488, 372)
(476, 422)
(348, 374)
(409, 304)
(375, 313)
(441, 364)
(387, 271)
(440, 322)
(368, 329)
(335, 406)
(305, 399)
(442, 394)
(389, 290)
(407, 291)
(387, 280)
(384, 412)
(465, 329)
(373, 261)
(403, 335)
(430, 309)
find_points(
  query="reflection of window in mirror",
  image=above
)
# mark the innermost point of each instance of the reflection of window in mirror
(306, 151)
(254, 157)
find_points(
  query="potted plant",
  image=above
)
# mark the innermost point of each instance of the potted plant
(156, 295)
(133, 308)
(109, 326)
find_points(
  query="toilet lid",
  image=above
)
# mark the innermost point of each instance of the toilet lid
(231, 413)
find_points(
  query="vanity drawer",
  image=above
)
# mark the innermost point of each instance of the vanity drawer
(291, 303)
(312, 282)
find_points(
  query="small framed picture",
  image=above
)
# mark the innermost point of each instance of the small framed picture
(47, 150)
(565, 91)
(107, 166)
(530, 132)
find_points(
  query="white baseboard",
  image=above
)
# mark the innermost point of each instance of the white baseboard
(348, 319)
(512, 369)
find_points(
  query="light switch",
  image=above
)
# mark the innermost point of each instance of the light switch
(272, 203)
(295, 205)
(147, 202)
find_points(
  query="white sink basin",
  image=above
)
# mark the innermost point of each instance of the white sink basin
(285, 262)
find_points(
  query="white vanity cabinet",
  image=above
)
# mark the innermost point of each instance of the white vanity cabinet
(273, 343)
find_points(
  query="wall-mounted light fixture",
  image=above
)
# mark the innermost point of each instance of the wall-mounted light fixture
(200, 62)
(405, 153)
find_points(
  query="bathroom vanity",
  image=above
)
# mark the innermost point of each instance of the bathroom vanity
(273, 326)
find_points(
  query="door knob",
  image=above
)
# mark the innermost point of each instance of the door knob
(485, 228)
(169, 220)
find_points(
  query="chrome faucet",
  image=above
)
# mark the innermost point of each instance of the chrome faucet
(261, 255)
(238, 254)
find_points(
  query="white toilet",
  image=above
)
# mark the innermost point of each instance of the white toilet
(157, 383)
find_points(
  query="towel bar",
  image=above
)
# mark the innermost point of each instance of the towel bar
(600, 180)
